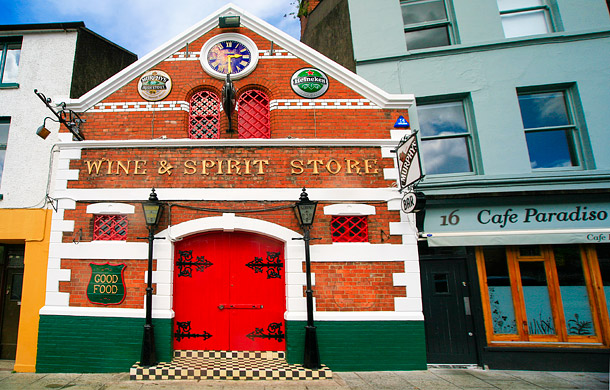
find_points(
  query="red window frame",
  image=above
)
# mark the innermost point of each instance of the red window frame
(253, 118)
(352, 228)
(204, 115)
(110, 227)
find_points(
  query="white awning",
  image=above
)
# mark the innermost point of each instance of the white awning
(519, 237)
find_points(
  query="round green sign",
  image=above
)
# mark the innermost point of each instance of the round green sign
(309, 83)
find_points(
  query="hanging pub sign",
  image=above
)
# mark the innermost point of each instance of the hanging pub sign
(413, 202)
(407, 161)
(154, 85)
(107, 285)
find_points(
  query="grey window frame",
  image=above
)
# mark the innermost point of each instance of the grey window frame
(7, 121)
(447, 23)
(470, 136)
(4, 44)
(578, 134)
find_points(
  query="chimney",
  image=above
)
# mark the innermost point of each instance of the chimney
(305, 8)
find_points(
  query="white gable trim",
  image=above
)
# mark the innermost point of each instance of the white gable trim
(283, 40)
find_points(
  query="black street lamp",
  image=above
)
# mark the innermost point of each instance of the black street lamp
(306, 211)
(152, 211)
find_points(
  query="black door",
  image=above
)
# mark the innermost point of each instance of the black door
(448, 317)
(11, 280)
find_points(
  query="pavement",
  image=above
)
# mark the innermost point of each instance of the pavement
(433, 378)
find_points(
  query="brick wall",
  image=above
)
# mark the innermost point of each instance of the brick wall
(362, 286)
(80, 275)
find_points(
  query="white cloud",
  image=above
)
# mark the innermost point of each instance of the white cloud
(143, 25)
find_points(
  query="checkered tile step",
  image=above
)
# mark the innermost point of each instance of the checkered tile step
(233, 365)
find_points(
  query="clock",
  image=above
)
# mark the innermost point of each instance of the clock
(229, 53)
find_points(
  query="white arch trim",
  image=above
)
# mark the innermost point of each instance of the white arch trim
(294, 255)
(229, 222)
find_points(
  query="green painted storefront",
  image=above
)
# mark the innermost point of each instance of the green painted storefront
(106, 344)
(96, 344)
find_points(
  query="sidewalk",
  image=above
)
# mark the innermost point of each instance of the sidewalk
(434, 378)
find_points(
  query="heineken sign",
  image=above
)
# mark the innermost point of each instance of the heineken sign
(309, 83)
(107, 285)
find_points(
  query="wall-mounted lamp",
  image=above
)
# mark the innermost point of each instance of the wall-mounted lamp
(228, 21)
(42, 131)
(66, 117)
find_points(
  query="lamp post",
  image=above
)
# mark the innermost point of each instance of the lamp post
(306, 210)
(152, 210)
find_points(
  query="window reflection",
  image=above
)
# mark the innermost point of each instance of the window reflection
(548, 145)
(543, 110)
(500, 295)
(426, 23)
(573, 288)
(536, 298)
(445, 138)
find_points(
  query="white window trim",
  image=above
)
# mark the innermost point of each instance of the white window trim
(110, 209)
(349, 209)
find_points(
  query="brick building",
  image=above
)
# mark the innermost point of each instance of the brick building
(229, 268)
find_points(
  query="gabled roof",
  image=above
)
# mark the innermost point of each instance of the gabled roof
(264, 29)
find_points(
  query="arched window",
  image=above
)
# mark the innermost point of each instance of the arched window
(204, 117)
(253, 115)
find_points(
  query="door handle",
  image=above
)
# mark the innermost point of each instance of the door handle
(240, 306)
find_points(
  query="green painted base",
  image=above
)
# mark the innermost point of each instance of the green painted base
(362, 345)
(96, 344)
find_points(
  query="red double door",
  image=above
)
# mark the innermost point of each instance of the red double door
(229, 293)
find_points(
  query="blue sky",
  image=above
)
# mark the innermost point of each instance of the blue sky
(140, 26)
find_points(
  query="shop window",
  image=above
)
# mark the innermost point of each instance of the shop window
(110, 227)
(349, 228)
(446, 140)
(9, 61)
(550, 131)
(204, 117)
(426, 23)
(253, 115)
(540, 297)
(524, 17)
(4, 126)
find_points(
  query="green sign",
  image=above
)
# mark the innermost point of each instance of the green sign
(309, 83)
(106, 286)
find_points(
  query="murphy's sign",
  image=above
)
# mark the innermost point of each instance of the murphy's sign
(407, 161)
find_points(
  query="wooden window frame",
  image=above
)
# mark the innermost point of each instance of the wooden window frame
(594, 285)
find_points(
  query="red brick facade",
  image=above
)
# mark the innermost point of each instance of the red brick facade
(131, 148)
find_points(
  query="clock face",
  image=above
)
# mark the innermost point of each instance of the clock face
(229, 53)
(229, 57)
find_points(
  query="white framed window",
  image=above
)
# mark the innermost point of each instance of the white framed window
(446, 137)
(426, 23)
(10, 53)
(525, 17)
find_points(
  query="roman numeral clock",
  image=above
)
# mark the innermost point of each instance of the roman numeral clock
(229, 53)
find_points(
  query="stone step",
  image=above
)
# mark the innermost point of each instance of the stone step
(229, 365)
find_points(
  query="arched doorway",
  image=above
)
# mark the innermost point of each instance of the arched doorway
(229, 292)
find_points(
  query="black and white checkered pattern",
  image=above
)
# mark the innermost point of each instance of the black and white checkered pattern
(232, 365)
